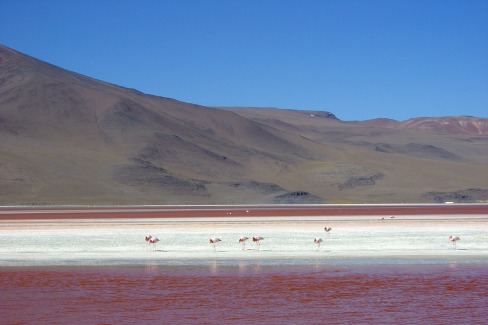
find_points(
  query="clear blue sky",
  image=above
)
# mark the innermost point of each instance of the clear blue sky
(359, 59)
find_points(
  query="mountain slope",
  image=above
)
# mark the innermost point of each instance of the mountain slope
(67, 138)
(61, 130)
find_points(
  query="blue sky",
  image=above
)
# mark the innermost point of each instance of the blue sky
(359, 59)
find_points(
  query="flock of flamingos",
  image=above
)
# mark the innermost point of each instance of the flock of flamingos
(257, 240)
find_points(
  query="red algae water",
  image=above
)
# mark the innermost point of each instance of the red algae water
(246, 293)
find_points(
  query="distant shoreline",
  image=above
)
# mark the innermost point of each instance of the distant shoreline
(206, 211)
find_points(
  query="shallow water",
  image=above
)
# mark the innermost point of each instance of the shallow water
(250, 292)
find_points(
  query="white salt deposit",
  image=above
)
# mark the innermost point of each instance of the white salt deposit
(287, 240)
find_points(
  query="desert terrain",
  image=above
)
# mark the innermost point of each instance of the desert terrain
(70, 139)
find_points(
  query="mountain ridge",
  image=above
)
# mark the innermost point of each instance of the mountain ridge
(67, 138)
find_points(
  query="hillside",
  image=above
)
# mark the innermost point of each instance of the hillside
(70, 139)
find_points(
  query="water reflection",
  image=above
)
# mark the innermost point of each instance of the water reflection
(213, 267)
(243, 267)
(453, 264)
(151, 266)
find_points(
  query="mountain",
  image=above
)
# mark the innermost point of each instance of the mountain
(66, 138)
(450, 125)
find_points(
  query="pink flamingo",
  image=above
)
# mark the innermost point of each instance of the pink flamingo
(318, 241)
(242, 240)
(453, 239)
(148, 238)
(257, 240)
(153, 241)
(214, 241)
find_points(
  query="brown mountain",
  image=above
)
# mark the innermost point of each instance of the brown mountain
(70, 139)
(450, 125)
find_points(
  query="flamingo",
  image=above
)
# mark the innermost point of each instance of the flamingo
(214, 241)
(148, 237)
(242, 240)
(318, 241)
(453, 239)
(154, 241)
(257, 240)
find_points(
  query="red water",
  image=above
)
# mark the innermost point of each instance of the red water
(246, 294)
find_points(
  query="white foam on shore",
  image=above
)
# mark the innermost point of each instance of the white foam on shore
(185, 240)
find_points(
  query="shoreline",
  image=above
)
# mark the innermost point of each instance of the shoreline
(245, 264)
(232, 222)
(305, 219)
(251, 211)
